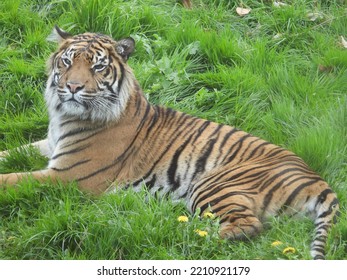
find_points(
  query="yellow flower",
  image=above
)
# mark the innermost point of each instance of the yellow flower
(202, 233)
(289, 250)
(208, 215)
(276, 243)
(182, 219)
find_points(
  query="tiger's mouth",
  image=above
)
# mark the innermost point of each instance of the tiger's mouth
(72, 99)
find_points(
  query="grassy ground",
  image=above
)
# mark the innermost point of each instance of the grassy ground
(278, 72)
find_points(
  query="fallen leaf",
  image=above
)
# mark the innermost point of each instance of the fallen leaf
(242, 11)
(279, 4)
(344, 42)
(277, 36)
(187, 4)
(314, 16)
(326, 69)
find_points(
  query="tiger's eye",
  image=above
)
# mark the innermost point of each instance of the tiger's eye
(66, 61)
(99, 67)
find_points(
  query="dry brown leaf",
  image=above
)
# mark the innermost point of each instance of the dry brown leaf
(187, 4)
(344, 42)
(326, 69)
(242, 11)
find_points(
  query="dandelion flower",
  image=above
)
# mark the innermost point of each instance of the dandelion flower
(289, 250)
(276, 243)
(182, 219)
(201, 233)
(208, 215)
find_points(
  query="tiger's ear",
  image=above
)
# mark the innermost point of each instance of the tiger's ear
(125, 47)
(58, 35)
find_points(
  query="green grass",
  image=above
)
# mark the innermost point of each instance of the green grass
(274, 73)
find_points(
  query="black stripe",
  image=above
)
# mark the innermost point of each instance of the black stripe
(169, 116)
(78, 141)
(213, 179)
(150, 184)
(239, 208)
(320, 250)
(220, 198)
(105, 168)
(138, 105)
(107, 71)
(154, 120)
(285, 205)
(173, 137)
(58, 107)
(144, 117)
(75, 132)
(201, 162)
(123, 157)
(270, 192)
(325, 226)
(201, 129)
(219, 177)
(233, 218)
(226, 138)
(71, 166)
(326, 213)
(322, 196)
(320, 238)
(253, 182)
(274, 152)
(113, 95)
(245, 149)
(229, 179)
(293, 167)
(237, 145)
(76, 150)
(121, 78)
(318, 247)
(296, 192)
(319, 223)
(251, 155)
(171, 172)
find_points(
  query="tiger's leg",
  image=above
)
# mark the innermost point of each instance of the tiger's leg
(94, 186)
(237, 219)
(239, 223)
(41, 145)
(231, 204)
(11, 179)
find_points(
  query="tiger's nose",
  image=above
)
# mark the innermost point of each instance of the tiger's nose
(74, 87)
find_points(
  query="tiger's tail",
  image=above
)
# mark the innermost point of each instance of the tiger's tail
(327, 210)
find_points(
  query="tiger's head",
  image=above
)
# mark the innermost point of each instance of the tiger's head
(88, 77)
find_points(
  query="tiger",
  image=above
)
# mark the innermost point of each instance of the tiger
(105, 135)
